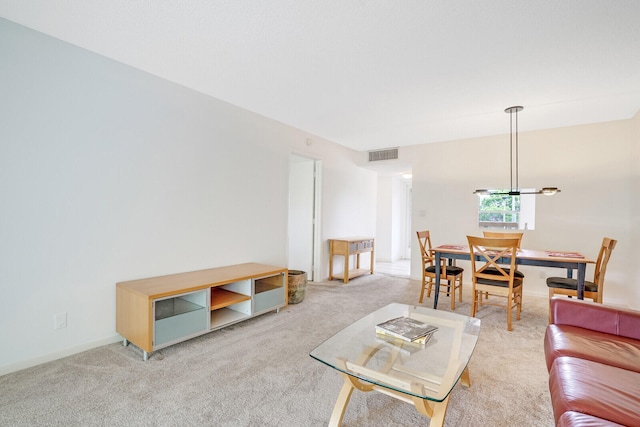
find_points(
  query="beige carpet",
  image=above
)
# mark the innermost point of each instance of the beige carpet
(259, 373)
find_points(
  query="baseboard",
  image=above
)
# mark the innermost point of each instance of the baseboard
(57, 355)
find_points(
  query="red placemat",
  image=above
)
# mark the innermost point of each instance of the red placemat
(456, 247)
(560, 254)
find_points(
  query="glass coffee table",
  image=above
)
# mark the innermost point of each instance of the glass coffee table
(420, 374)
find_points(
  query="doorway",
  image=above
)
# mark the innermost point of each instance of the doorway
(393, 228)
(304, 212)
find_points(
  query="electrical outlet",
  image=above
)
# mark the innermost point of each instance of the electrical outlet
(60, 320)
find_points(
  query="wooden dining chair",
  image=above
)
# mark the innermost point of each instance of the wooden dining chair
(490, 276)
(451, 273)
(593, 290)
(509, 235)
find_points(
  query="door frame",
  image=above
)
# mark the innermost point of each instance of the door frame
(316, 241)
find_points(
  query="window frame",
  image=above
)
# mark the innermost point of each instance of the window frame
(518, 214)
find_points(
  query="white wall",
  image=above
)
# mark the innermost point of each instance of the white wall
(592, 164)
(110, 174)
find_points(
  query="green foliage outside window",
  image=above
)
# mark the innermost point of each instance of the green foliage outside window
(499, 208)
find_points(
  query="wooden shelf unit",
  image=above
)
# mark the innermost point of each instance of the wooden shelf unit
(156, 312)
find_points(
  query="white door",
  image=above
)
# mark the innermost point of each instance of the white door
(302, 212)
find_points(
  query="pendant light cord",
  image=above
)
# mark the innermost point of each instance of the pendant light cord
(511, 150)
(511, 110)
(517, 155)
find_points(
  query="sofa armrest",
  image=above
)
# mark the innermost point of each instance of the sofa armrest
(594, 316)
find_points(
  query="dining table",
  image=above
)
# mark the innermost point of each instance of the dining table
(540, 258)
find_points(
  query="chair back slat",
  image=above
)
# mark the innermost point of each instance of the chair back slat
(424, 239)
(510, 235)
(490, 252)
(601, 263)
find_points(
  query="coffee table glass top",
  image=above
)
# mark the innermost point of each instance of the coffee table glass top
(428, 371)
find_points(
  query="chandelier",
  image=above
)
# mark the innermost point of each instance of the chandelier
(515, 190)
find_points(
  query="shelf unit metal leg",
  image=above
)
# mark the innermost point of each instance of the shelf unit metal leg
(125, 342)
(145, 355)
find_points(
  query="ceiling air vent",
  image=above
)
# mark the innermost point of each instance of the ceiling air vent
(388, 154)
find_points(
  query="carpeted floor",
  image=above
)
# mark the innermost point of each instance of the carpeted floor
(259, 373)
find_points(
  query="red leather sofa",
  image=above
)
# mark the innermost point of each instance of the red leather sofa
(592, 353)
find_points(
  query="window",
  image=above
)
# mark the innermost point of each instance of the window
(507, 212)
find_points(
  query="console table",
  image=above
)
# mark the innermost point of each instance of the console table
(156, 312)
(351, 246)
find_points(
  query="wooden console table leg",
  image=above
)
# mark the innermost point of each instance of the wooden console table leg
(371, 260)
(346, 268)
(331, 263)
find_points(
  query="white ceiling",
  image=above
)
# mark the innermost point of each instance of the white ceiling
(373, 74)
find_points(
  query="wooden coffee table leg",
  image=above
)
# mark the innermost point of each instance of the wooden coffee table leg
(340, 407)
(434, 410)
(465, 379)
(438, 413)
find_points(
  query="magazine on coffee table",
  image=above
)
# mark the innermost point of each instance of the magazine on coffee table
(405, 328)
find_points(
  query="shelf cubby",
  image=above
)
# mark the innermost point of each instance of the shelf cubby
(221, 298)
(226, 316)
(268, 292)
(179, 317)
(265, 284)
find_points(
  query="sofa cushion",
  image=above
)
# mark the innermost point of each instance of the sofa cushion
(565, 340)
(595, 389)
(598, 317)
(577, 419)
